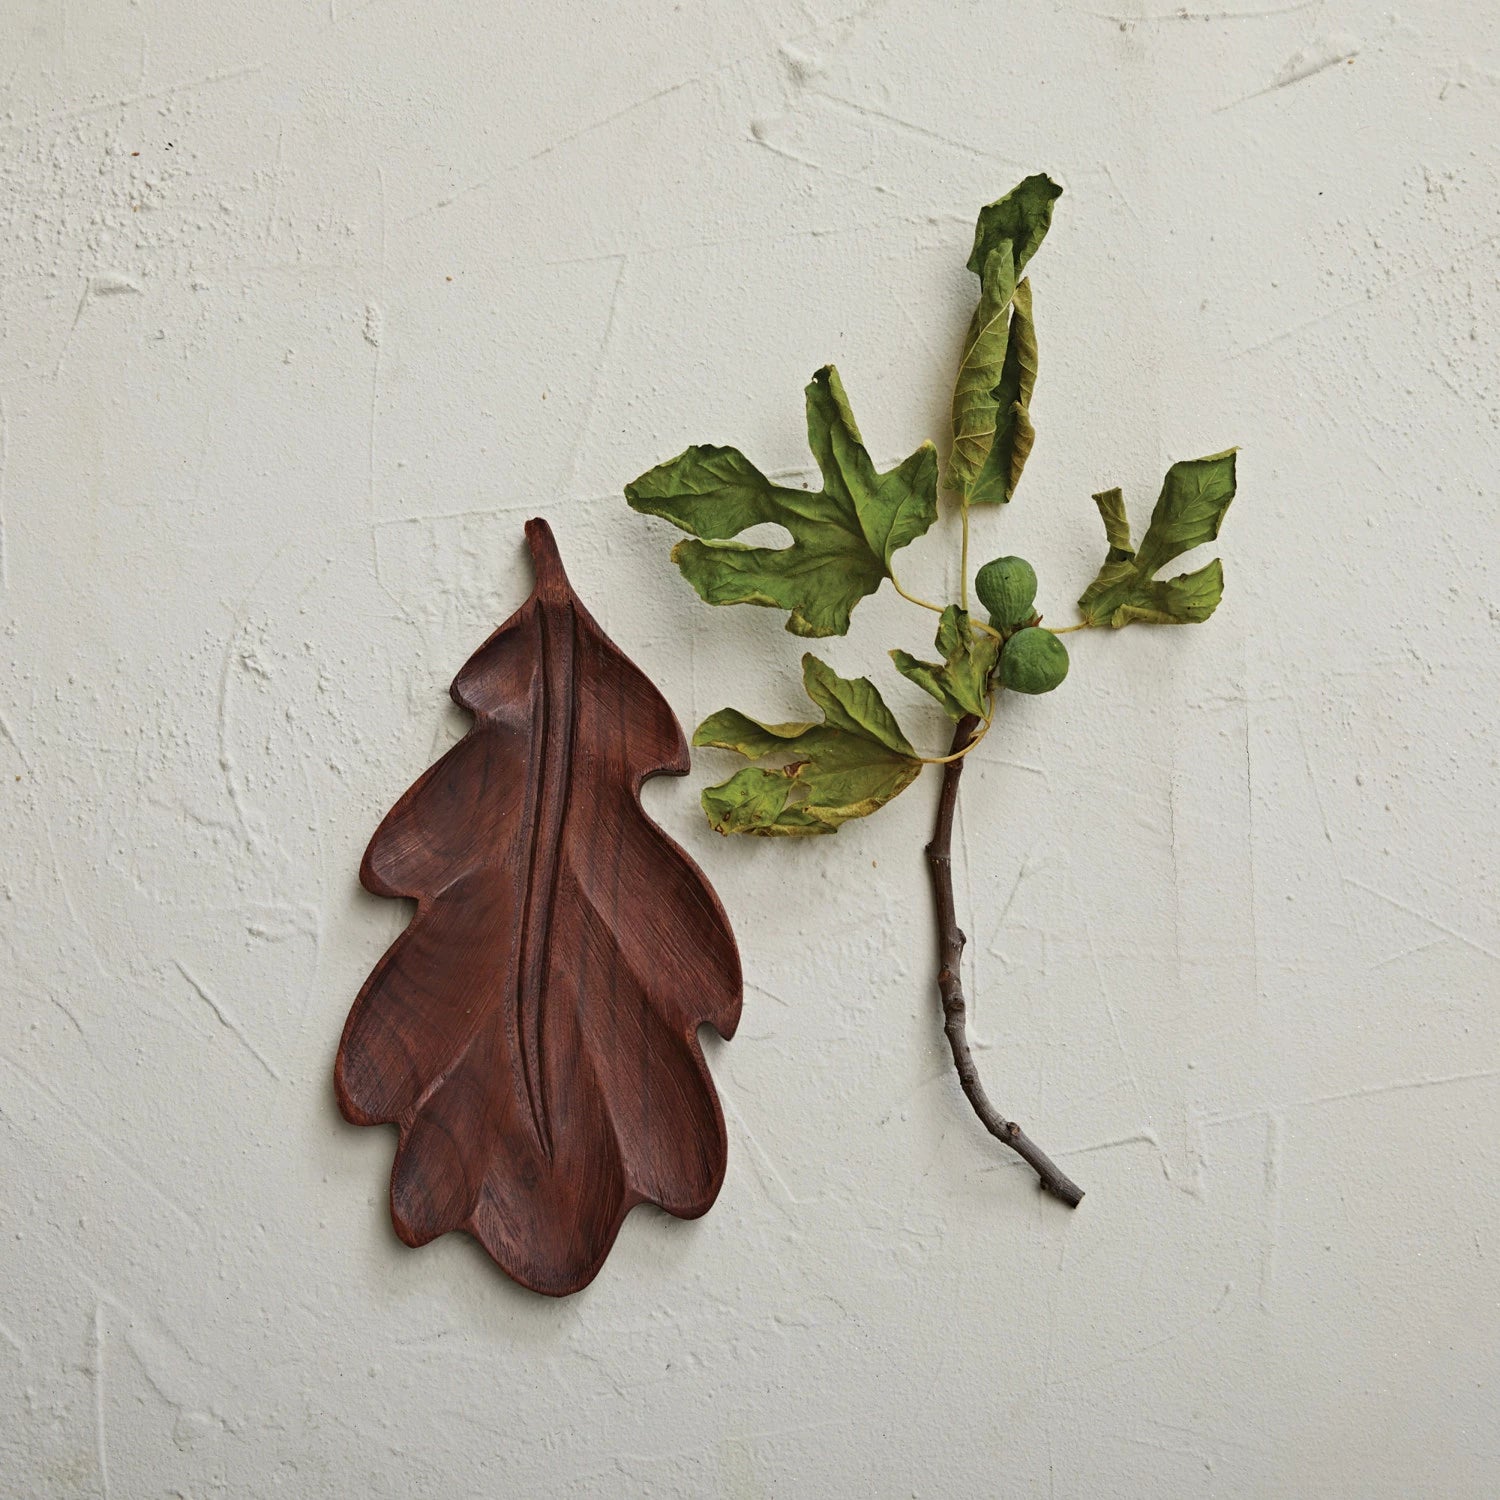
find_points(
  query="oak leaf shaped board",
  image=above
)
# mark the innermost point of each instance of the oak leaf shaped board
(533, 1031)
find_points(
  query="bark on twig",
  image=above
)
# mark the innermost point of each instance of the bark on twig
(950, 985)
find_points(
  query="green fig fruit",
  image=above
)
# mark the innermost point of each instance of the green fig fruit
(1007, 588)
(1033, 661)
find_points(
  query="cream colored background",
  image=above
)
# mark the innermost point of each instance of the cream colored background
(305, 308)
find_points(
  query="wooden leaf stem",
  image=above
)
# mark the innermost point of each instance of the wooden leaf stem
(950, 983)
(533, 1032)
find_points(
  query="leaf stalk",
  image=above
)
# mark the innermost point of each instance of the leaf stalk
(937, 609)
(963, 556)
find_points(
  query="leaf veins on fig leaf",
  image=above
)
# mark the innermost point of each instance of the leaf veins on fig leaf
(961, 681)
(846, 767)
(843, 536)
(992, 432)
(1189, 512)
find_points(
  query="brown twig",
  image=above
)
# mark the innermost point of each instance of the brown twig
(950, 984)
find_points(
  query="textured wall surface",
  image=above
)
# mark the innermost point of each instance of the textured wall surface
(306, 306)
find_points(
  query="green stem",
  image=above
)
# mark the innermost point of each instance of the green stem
(963, 562)
(937, 609)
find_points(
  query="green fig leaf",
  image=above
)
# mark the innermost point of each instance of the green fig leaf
(1007, 235)
(760, 802)
(961, 683)
(848, 766)
(1111, 505)
(1021, 219)
(1014, 435)
(843, 536)
(1189, 512)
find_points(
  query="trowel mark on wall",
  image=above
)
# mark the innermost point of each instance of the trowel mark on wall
(96, 1373)
(150, 96)
(1272, 1241)
(1182, 13)
(1326, 53)
(101, 1148)
(275, 190)
(6, 732)
(106, 284)
(601, 365)
(1308, 62)
(374, 335)
(226, 1020)
(1424, 916)
(4, 462)
(112, 284)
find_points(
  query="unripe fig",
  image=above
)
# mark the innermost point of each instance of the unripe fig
(1007, 588)
(1033, 661)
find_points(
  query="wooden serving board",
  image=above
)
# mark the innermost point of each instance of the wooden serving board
(532, 1032)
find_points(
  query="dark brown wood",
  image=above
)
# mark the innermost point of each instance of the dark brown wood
(951, 942)
(533, 1031)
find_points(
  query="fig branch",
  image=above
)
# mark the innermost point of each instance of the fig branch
(810, 777)
(951, 942)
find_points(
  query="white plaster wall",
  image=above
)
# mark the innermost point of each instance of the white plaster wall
(305, 308)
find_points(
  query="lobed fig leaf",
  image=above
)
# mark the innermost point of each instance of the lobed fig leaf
(843, 536)
(1189, 512)
(848, 766)
(961, 683)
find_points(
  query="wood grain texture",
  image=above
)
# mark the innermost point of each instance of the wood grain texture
(533, 1032)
